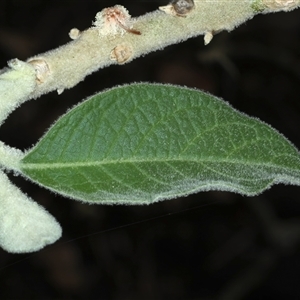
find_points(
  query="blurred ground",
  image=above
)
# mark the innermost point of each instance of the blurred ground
(207, 246)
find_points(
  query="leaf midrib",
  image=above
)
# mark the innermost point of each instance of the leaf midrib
(43, 166)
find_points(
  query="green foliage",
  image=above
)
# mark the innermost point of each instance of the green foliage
(143, 143)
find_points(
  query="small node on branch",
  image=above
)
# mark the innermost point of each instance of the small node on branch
(280, 4)
(121, 53)
(275, 5)
(41, 68)
(208, 37)
(74, 33)
(178, 8)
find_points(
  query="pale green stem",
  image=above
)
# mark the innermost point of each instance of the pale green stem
(103, 44)
(17, 84)
(10, 157)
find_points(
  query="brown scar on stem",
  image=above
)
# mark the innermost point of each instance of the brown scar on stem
(134, 31)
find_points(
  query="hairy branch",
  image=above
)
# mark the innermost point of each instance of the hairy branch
(116, 38)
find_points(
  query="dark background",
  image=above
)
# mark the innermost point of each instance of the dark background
(210, 245)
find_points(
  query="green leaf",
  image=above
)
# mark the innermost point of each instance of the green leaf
(143, 143)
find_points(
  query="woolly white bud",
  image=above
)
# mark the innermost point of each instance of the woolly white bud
(114, 20)
(25, 226)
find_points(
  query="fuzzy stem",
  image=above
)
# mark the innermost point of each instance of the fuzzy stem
(96, 47)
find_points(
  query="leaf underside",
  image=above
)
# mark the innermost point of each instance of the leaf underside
(142, 143)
